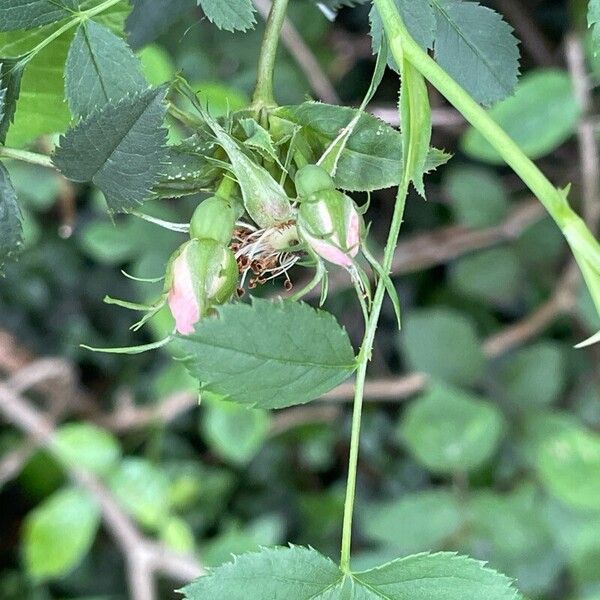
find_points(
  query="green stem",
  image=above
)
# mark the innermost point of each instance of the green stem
(263, 93)
(25, 156)
(363, 360)
(402, 46)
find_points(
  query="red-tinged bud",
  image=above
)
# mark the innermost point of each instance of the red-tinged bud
(202, 274)
(330, 224)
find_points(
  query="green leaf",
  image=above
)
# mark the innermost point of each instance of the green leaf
(372, 158)
(87, 446)
(450, 431)
(478, 196)
(295, 353)
(443, 343)
(414, 522)
(477, 48)
(11, 220)
(419, 18)
(259, 139)
(535, 376)
(298, 573)
(100, 69)
(29, 14)
(568, 463)
(11, 73)
(41, 108)
(542, 114)
(236, 433)
(59, 532)
(495, 276)
(593, 20)
(233, 15)
(121, 148)
(143, 489)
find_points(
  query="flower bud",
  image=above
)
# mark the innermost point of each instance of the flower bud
(312, 179)
(214, 219)
(202, 274)
(330, 224)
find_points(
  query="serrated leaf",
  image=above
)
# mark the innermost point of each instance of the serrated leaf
(232, 15)
(419, 18)
(100, 68)
(298, 573)
(28, 14)
(42, 108)
(451, 431)
(372, 158)
(59, 532)
(11, 73)
(293, 352)
(11, 220)
(259, 139)
(476, 47)
(542, 114)
(121, 148)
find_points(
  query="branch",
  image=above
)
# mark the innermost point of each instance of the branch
(303, 55)
(144, 557)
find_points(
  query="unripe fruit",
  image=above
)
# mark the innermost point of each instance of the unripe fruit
(312, 179)
(214, 219)
(202, 275)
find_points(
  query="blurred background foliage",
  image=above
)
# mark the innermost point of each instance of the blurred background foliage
(483, 434)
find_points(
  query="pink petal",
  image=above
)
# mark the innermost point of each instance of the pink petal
(182, 300)
(330, 252)
(353, 235)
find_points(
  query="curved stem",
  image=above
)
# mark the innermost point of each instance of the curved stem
(363, 361)
(263, 93)
(25, 156)
(553, 199)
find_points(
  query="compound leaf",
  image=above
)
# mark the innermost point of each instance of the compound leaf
(128, 143)
(11, 228)
(269, 354)
(28, 14)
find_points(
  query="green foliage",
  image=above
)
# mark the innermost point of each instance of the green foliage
(478, 196)
(85, 446)
(142, 489)
(130, 149)
(100, 69)
(443, 343)
(11, 226)
(11, 72)
(593, 19)
(302, 573)
(231, 16)
(568, 463)
(414, 522)
(372, 158)
(59, 532)
(450, 431)
(302, 353)
(495, 276)
(28, 14)
(476, 47)
(236, 433)
(534, 376)
(541, 115)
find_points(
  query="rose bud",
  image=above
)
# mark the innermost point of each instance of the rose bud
(202, 274)
(330, 224)
(214, 219)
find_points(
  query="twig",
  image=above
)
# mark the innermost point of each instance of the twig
(303, 55)
(144, 557)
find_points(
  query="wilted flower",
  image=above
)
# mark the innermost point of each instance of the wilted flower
(202, 275)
